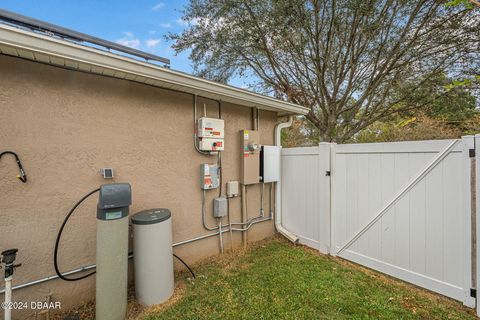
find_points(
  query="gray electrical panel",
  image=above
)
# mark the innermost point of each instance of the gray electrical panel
(220, 207)
(209, 176)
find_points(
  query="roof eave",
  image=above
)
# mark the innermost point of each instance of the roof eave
(41, 48)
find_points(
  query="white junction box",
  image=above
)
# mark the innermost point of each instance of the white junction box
(211, 128)
(232, 189)
(211, 144)
(270, 163)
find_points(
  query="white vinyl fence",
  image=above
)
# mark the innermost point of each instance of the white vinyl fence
(401, 208)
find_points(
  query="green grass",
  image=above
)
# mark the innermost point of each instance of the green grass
(277, 280)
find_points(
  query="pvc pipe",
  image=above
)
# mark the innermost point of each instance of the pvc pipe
(92, 266)
(278, 190)
(8, 298)
(244, 214)
(220, 235)
(204, 218)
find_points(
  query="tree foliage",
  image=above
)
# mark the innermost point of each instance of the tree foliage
(352, 62)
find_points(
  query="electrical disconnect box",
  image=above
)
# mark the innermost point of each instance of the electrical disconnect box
(220, 207)
(211, 134)
(209, 178)
(232, 189)
(250, 144)
(207, 144)
(270, 163)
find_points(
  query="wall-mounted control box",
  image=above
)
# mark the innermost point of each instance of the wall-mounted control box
(270, 163)
(211, 134)
(250, 153)
(220, 207)
(211, 144)
(211, 128)
(232, 189)
(107, 173)
(209, 178)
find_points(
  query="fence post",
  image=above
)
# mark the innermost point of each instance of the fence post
(324, 158)
(475, 193)
(333, 250)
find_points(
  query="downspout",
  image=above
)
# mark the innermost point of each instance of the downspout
(278, 188)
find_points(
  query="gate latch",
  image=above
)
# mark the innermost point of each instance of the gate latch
(328, 173)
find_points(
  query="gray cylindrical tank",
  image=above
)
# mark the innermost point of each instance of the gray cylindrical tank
(153, 256)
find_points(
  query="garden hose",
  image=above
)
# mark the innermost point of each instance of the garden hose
(59, 235)
(57, 242)
(22, 176)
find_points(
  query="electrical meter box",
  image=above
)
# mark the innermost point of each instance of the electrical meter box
(270, 163)
(211, 128)
(209, 176)
(211, 134)
(250, 153)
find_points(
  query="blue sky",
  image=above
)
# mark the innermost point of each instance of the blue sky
(140, 24)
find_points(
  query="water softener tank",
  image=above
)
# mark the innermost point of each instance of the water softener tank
(112, 251)
(153, 256)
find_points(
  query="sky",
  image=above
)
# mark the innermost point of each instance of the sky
(140, 24)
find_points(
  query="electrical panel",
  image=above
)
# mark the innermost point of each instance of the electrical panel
(250, 144)
(211, 134)
(270, 163)
(232, 189)
(220, 207)
(209, 178)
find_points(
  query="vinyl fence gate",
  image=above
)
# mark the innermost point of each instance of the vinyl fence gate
(402, 208)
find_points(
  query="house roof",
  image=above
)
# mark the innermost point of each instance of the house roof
(59, 52)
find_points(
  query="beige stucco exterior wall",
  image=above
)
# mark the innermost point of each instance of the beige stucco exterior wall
(65, 126)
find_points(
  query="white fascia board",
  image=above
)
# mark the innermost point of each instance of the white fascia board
(59, 48)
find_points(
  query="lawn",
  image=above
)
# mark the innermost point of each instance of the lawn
(276, 280)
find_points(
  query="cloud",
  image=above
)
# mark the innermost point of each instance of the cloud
(158, 6)
(152, 43)
(132, 43)
(165, 25)
(152, 31)
(129, 40)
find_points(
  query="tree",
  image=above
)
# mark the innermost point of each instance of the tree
(346, 60)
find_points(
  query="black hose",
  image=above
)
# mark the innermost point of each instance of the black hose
(186, 265)
(57, 242)
(23, 176)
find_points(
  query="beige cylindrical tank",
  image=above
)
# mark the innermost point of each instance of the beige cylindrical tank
(153, 256)
(112, 269)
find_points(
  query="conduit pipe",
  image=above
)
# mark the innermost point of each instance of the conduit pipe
(278, 189)
(92, 266)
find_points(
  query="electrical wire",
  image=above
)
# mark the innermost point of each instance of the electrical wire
(186, 265)
(23, 176)
(59, 235)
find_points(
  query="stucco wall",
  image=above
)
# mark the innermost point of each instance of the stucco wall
(67, 125)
